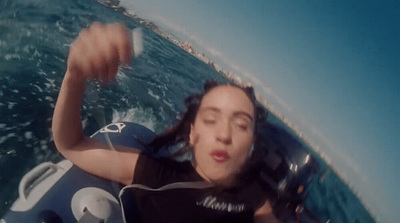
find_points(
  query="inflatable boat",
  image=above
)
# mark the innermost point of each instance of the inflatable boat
(62, 192)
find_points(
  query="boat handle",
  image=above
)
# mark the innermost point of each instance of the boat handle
(35, 176)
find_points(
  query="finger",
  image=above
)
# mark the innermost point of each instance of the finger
(107, 57)
(123, 42)
(82, 52)
(76, 59)
(112, 61)
(99, 47)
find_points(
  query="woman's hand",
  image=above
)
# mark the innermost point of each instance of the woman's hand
(97, 52)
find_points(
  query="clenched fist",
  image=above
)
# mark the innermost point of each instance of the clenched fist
(97, 52)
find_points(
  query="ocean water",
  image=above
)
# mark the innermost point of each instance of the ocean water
(34, 41)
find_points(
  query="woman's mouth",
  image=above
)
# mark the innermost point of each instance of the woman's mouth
(220, 156)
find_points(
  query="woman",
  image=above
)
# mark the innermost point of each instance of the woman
(219, 128)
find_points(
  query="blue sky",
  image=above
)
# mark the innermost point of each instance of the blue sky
(331, 67)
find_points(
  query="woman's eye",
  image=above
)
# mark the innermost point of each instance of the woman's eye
(209, 121)
(241, 125)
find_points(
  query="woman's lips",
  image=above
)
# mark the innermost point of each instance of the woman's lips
(220, 156)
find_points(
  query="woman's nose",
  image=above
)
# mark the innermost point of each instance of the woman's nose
(224, 133)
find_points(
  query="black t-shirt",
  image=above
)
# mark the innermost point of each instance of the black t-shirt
(236, 204)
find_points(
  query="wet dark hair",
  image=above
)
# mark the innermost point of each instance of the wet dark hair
(180, 132)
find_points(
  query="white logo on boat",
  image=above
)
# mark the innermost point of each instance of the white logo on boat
(118, 129)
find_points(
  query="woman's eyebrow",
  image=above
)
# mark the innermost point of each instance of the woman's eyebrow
(235, 114)
(214, 109)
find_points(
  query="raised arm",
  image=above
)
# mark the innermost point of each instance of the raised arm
(95, 54)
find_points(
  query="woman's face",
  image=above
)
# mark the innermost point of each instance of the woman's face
(222, 134)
